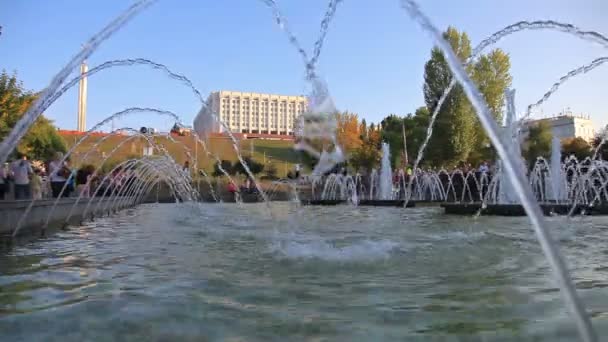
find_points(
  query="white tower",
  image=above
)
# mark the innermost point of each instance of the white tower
(82, 99)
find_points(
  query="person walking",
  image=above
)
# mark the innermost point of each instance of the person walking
(21, 169)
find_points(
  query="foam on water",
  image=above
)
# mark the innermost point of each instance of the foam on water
(365, 250)
(458, 236)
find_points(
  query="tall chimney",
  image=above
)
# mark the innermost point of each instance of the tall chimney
(82, 99)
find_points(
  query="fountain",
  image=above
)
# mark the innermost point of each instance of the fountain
(556, 176)
(511, 165)
(386, 175)
(318, 238)
(377, 189)
(511, 137)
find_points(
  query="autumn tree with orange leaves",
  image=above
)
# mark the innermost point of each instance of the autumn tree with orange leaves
(348, 134)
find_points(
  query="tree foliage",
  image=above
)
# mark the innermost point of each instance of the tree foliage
(415, 126)
(538, 143)
(367, 156)
(454, 129)
(225, 165)
(491, 75)
(42, 139)
(578, 147)
(362, 129)
(458, 135)
(392, 133)
(254, 166)
(348, 131)
(602, 153)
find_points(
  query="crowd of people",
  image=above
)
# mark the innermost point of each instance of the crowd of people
(21, 179)
(248, 187)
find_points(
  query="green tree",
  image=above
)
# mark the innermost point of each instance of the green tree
(602, 153)
(226, 165)
(456, 120)
(415, 126)
(367, 156)
(578, 147)
(42, 139)
(415, 131)
(392, 133)
(492, 77)
(538, 143)
(254, 166)
(462, 136)
(306, 159)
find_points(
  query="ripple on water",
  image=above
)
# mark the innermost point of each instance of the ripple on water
(361, 251)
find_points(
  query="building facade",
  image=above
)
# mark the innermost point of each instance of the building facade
(250, 113)
(566, 126)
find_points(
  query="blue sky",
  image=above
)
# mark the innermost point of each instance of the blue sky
(372, 60)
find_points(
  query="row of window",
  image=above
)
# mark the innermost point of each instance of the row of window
(247, 109)
(262, 125)
(256, 105)
(246, 115)
(263, 108)
(226, 100)
(255, 116)
(254, 123)
(264, 103)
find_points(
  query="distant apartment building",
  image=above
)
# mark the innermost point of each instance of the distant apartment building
(251, 113)
(566, 126)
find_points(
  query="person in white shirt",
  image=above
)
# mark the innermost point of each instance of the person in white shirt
(21, 169)
(298, 170)
(484, 167)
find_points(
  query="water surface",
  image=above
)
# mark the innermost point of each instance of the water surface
(224, 272)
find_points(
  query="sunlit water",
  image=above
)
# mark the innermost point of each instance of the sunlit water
(223, 272)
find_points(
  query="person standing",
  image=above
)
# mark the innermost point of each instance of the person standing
(233, 190)
(58, 173)
(3, 181)
(186, 171)
(21, 171)
(36, 185)
(484, 167)
(297, 171)
(46, 183)
(83, 181)
(71, 183)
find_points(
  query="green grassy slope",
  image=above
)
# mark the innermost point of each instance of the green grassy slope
(278, 152)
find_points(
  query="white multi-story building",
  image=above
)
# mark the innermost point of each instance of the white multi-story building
(566, 126)
(251, 113)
